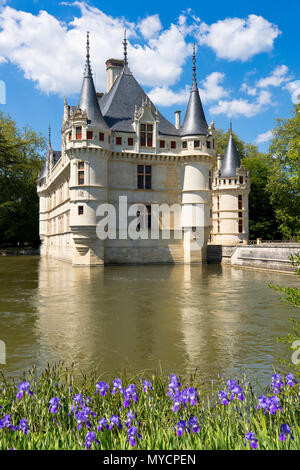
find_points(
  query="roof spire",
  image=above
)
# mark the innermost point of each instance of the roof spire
(49, 139)
(231, 160)
(88, 69)
(125, 42)
(195, 87)
(194, 122)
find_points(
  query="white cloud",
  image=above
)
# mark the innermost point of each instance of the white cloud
(164, 96)
(252, 91)
(241, 107)
(46, 49)
(276, 78)
(237, 38)
(294, 89)
(150, 26)
(264, 137)
(211, 91)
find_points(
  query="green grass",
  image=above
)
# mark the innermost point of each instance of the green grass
(221, 427)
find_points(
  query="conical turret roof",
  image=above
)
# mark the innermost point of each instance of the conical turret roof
(88, 100)
(194, 122)
(231, 160)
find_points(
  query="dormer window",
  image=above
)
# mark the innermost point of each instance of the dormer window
(208, 144)
(146, 138)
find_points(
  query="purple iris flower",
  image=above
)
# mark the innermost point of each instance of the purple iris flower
(24, 388)
(276, 383)
(83, 417)
(102, 388)
(133, 433)
(250, 437)
(194, 424)
(89, 439)
(117, 386)
(115, 421)
(285, 430)
(223, 396)
(54, 405)
(290, 380)
(146, 385)
(130, 394)
(24, 426)
(182, 427)
(174, 385)
(103, 424)
(271, 404)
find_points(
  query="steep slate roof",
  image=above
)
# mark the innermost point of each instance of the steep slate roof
(88, 100)
(118, 105)
(231, 160)
(194, 122)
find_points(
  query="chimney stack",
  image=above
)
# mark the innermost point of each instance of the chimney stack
(177, 119)
(113, 69)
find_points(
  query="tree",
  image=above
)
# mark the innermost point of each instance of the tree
(284, 181)
(20, 164)
(262, 217)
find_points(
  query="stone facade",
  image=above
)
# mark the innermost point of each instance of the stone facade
(105, 157)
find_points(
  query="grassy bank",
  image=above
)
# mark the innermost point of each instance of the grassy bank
(58, 411)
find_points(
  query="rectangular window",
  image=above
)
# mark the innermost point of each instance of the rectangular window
(184, 145)
(130, 141)
(196, 144)
(240, 206)
(208, 144)
(173, 144)
(89, 135)
(218, 226)
(241, 180)
(162, 144)
(70, 136)
(146, 137)
(119, 140)
(218, 203)
(80, 173)
(240, 215)
(144, 176)
(78, 133)
(80, 210)
(101, 136)
(240, 226)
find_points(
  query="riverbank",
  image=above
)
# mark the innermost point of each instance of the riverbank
(55, 411)
(15, 251)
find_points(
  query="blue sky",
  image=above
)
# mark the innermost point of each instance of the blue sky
(247, 57)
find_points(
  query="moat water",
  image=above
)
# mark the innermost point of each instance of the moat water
(216, 319)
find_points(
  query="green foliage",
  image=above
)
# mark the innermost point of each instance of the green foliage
(221, 427)
(20, 164)
(292, 297)
(284, 180)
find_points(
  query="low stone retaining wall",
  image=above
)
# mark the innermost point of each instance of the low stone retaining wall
(274, 257)
(19, 251)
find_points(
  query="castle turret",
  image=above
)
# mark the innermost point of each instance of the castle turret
(198, 156)
(231, 187)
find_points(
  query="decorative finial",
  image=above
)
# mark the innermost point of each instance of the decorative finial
(49, 141)
(125, 42)
(88, 69)
(194, 67)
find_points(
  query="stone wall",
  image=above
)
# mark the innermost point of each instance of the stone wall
(274, 257)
